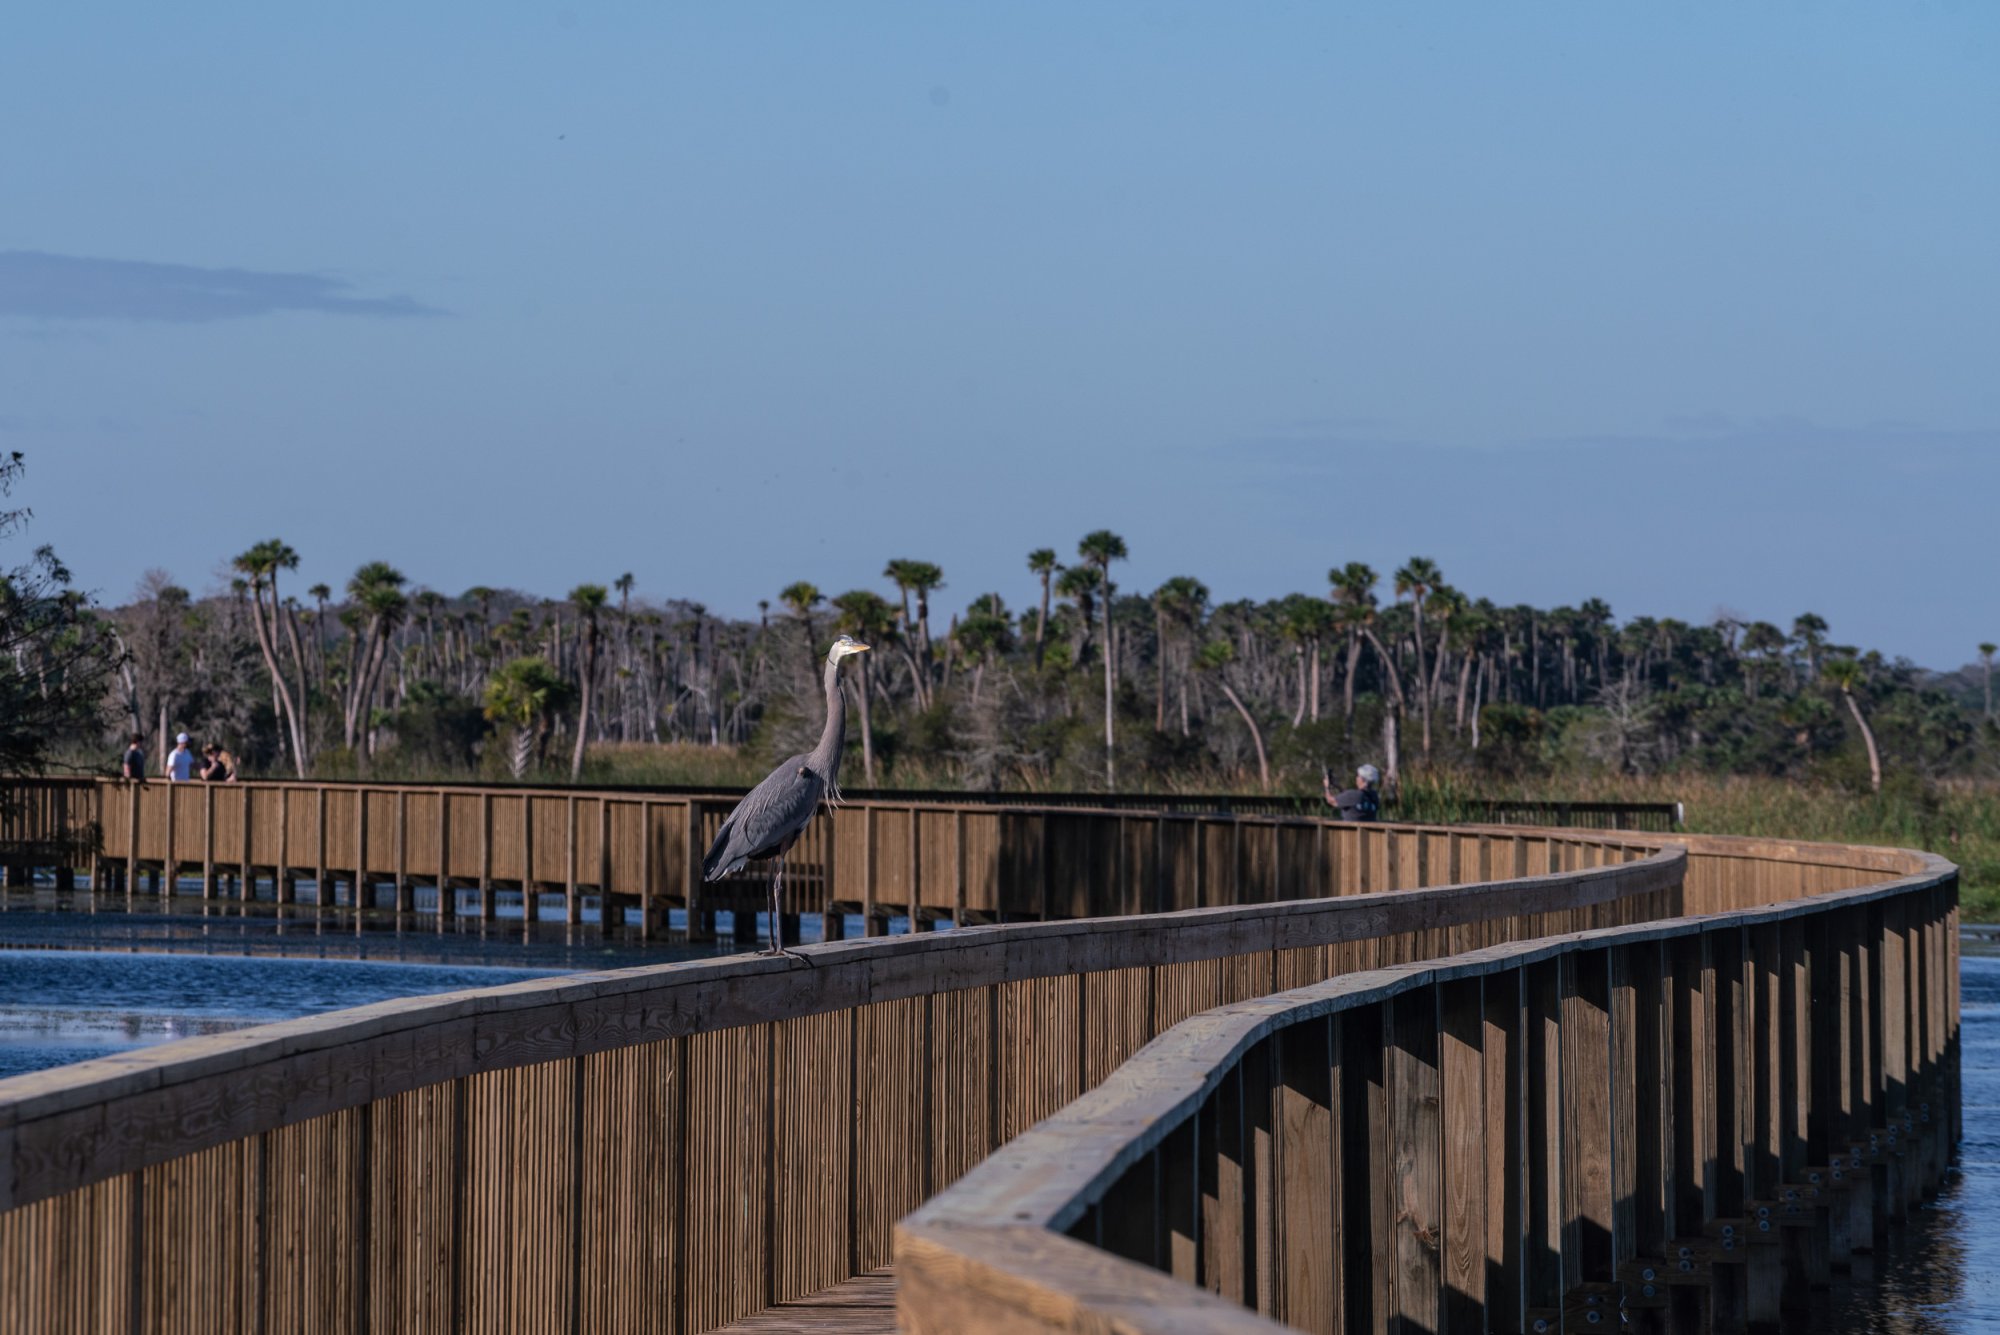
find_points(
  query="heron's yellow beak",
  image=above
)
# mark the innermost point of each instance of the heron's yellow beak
(857, 648)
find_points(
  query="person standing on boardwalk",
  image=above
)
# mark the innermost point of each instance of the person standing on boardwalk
(180, 761)
(217, 765)
(1359, 802)
(134, 764)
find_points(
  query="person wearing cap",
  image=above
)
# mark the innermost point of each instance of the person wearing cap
(1359, 802)
(180, 760)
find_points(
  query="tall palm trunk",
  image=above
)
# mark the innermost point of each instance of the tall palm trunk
(1314, 709)
(1423, 695)
(1299, 660)
(1042, 620)
(1347, 686)
(265, 636)
(1465, 673)
(1867, 740)
(587, 671)
(1387, 663)
(1110, 667)
(1256, 734)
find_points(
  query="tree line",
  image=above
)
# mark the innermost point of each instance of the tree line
(1087, 684)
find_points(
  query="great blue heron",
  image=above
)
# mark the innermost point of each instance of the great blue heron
(771, 816)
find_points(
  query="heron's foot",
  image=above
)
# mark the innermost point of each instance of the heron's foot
(787, 950)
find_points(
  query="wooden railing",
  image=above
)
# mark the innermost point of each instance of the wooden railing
(673, 1147)
(926, 860)
(1673, 1126)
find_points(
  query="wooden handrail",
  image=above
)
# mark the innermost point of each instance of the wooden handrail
(1814, 976)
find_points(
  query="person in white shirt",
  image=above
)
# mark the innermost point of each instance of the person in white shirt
(180, 760)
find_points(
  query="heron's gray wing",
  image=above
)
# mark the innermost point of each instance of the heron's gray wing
(768, 817)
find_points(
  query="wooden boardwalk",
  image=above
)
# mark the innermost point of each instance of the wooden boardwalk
(864, 1305)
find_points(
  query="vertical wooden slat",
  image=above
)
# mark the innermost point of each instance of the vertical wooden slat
(1465, 1168)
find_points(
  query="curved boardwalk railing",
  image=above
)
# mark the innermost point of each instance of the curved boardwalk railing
(1670, 1126)
(673, 1147)
(913, 855)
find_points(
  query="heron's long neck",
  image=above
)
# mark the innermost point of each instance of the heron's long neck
(826, 756)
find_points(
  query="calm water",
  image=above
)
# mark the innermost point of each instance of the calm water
(1943, 1272)
(62, 1006)
(112, 989)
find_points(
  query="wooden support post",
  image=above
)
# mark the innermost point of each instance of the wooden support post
(1416, 1150)
(700, 918)
(572, 901)
(247, 863)
(207, 842)
(132, 847)
(648, 875)
(916, 849)
(958, 866)
(1587, 1118)
(486, 905)
(604, 912)
(1507, 1166)
(405, 896)
(358, 893)
(282, 887)
(171, 863)
(833, 923)
(870, 924)
(1306, 1180)
(1227, 1220)
(1546, 1142)
(447, 897)
(1179, 1246)
(528, 905)
(1465, 1182)
(321, 898)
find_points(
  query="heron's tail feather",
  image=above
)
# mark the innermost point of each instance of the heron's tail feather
(715, 862)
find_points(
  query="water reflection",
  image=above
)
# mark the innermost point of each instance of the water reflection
(1941, 1272)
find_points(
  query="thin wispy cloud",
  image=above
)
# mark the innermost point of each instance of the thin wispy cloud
(39, 285)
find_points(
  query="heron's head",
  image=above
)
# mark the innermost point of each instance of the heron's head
(844, 646)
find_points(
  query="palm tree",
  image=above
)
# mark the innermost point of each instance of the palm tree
(802, 597)
(1414, 581)
(986, 636)
(379, 607)
(1846, 677)
(484, 596)
(866, 616)
(526, 694)
(319, 593)
(1180, 603)
(589, 601)
(924, 578)
(1986, 652)
(261, 565)
(1042, 561)
(1809, 629)
(1100, 549)
(1304, 621)
(1214, 659)
(1354, 594)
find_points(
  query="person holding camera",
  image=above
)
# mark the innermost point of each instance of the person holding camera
(1360, 802)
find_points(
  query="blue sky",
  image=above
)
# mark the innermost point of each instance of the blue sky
(1685, 307)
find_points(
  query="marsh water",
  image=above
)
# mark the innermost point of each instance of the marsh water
(74, 987)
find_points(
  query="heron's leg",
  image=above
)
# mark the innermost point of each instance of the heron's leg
(777, 937)
(777, 923)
